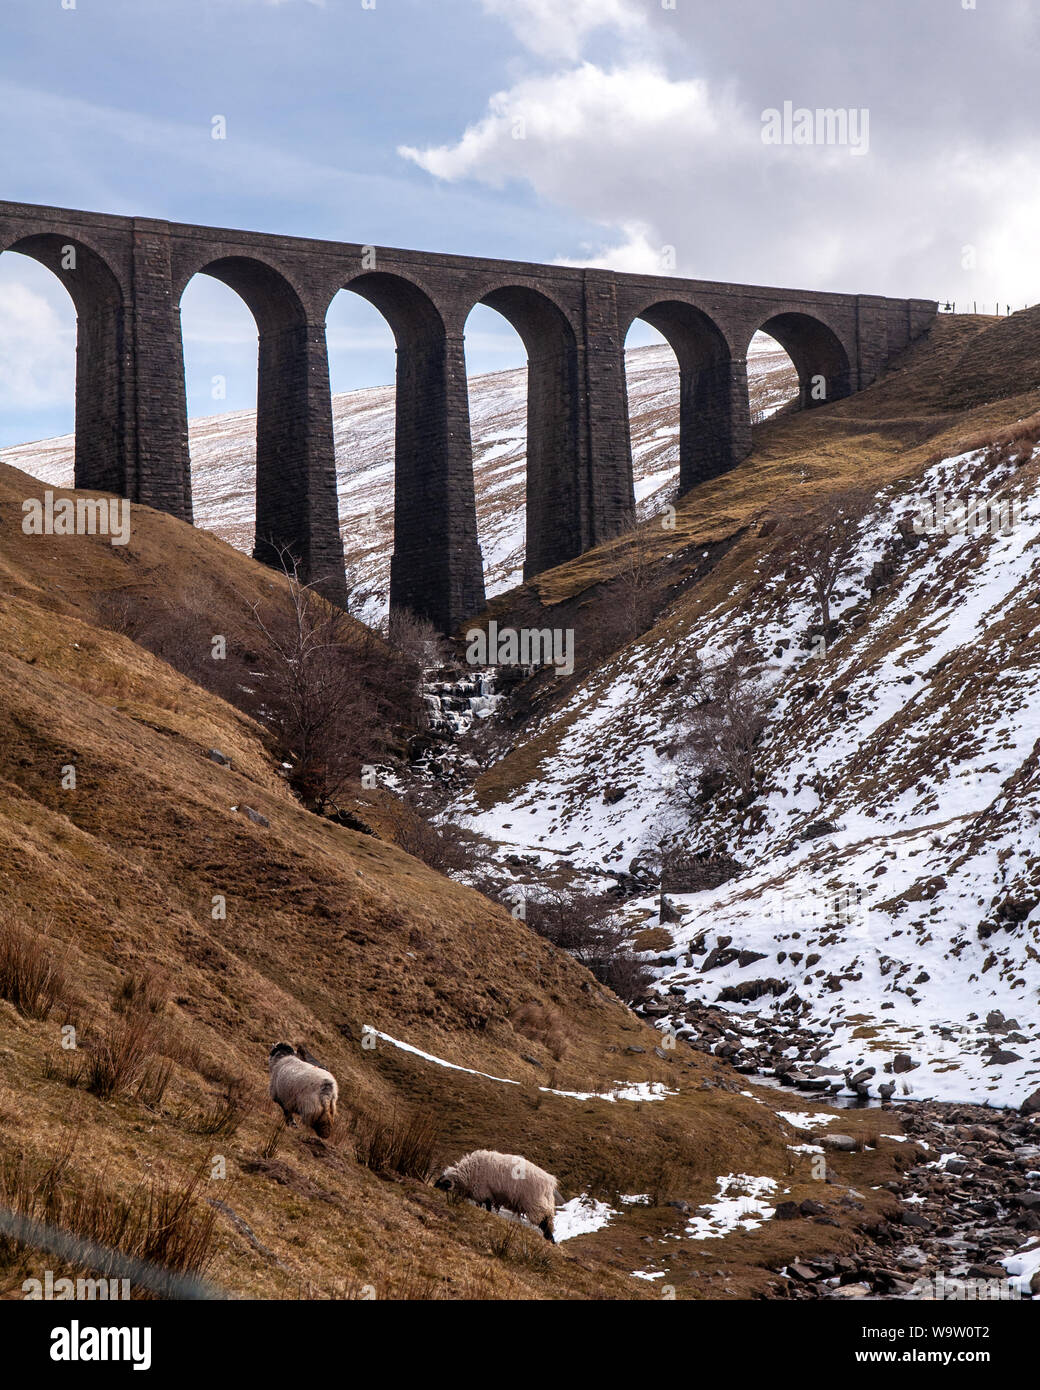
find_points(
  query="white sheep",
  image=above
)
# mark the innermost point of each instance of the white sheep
(303, 1089)
(505, 1180)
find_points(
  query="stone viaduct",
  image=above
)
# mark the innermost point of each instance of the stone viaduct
(126, 276)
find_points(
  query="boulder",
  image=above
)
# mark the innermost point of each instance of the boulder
(1031, 1104)
(1002, 1058)
(751, 989)
(842, 1143)
(718, 957)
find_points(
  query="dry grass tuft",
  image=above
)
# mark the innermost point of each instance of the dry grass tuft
(117, 1061)
(517, 1245)
(31, 978)
(543, 1024)
(143, 992)
(223, 1115)
(393, 1146)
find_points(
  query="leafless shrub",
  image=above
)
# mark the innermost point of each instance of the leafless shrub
(418, 647)
(611, 959)
(325, 681)
(154, 1082)
(274, 1138)
(119, 611)
(584, 925)
(31, 977)
(116, 1060)
(145, 991)
(331, 692)
(443, 845)
(222, 1116)
(64, 1067)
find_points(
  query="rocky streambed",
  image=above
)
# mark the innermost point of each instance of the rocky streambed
(969, 1207)
(969, 1220)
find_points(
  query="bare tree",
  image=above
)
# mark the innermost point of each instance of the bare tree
(724, 723)
(822, 544)
(318, 682)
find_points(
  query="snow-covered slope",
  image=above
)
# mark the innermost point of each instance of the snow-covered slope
(223, 452)
(890, 898)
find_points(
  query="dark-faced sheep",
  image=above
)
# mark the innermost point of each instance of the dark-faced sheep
(505, 1180)
(301, 1088)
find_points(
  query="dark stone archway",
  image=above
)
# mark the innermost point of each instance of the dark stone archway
(713, 433)
(819, 357)
(557, 494)
(297, 521)
(99, 301)
(436, 570)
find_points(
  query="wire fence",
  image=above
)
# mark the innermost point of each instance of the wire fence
(949, 306)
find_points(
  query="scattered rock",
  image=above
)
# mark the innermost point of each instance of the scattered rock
(818, 828)
(668, 911)
(720, 956)
(843, 1143)
(749, 990)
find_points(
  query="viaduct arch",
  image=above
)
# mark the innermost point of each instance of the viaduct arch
(126, 276)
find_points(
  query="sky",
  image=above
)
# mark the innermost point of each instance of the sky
(636, 134)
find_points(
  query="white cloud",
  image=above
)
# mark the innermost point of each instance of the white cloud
(636, 254)
(560, 28)
(601, 125)
(663, 162)
(37, 348)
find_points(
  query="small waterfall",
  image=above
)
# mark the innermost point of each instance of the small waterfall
(454, 704)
